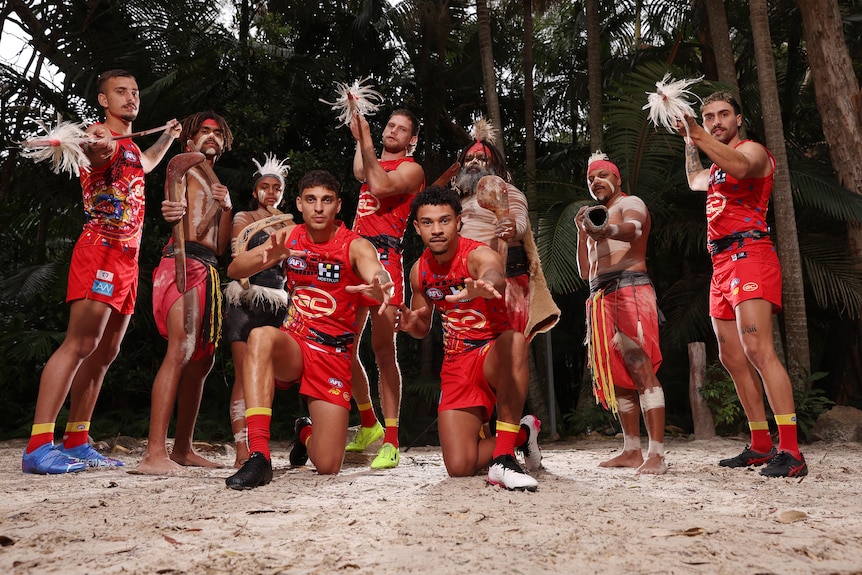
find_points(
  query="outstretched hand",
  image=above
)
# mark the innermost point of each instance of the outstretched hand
(378, 290)
(406, 319)
(277, 250)
(473, 289)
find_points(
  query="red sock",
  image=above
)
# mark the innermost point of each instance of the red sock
(366, 415)
(77, 433)
(787, 437)
(761, 441)
(305, 434)
(258, 422)
(507, 435)
(521, 439)
(41, 434)
(391, 433)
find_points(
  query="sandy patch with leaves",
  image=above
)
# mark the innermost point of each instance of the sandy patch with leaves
(699, 518)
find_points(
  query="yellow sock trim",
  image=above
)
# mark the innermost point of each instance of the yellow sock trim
(788, 419)
(40, 428)
(364, 406)
(758, 425)
(511, 427)
(78, 426)
(390, 422)
(258, 411)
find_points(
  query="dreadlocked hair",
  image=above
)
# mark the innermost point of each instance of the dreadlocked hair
(193, 123)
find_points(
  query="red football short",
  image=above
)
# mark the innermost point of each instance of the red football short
(740, 274)
(103, 273)
(325, 373)
(463, 383)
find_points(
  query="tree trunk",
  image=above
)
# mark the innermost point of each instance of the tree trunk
(795, 319)
(529, 103)
(594, 73)
(701, 416)
(483, 17)
(725, 62)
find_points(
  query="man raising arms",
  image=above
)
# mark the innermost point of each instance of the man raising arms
(622, 317)
(388, 184)
(329, 270)
(746, 280)
(484, 359)
(103, 280)
(191, 321)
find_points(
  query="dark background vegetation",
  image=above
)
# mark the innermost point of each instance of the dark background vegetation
(266, 65)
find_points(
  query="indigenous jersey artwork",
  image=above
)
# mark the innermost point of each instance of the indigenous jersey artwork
(466, 324)
(736, 206)
(114, 199)
(320, 309)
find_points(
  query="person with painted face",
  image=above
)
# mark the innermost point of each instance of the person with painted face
(745, 290)
(191, 320)
(103, 280)
(258, 300)
(622, 315)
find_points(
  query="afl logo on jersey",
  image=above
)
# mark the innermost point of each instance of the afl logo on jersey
(313, 302)
(715, 204)
(296, 263)
(434, 293)
(368, 204)
(464, 319)
(130, 156)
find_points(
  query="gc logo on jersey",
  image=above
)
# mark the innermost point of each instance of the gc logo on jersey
(464, 319)
(715, 204)
(313, 302)
(368, 204)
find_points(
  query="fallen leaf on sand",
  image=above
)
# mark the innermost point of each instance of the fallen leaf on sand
(791, 516)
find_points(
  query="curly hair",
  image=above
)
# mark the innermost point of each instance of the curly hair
(436, 196)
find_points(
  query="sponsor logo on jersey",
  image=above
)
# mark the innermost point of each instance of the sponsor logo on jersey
(313, 302)
(464, 319)
(434, 293)
(130, 156)
(105, 276)
(328, 272)
(296, 263)
(334, 382)
(103, 288)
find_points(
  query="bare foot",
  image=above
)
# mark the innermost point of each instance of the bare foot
(241, 455)
(192, 459)
(654, 465)
(630, 458)
(159, 466)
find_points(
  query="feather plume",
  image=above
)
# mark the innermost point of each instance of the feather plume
(60, 145)
(597, 155)
(483, 130)
(355, 98)
(668, 104)
(272, 167)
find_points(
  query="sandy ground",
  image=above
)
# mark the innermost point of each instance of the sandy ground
(699, 518)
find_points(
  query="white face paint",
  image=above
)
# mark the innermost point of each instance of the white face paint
(610, 185)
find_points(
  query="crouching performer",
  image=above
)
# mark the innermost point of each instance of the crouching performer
(484, 361)
(328, 269)
(622, 316)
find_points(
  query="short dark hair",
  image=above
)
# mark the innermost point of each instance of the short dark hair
(193, 123)
(722, 96)
(105, 76)
(319, 178)
(436, 196)
(414, 121)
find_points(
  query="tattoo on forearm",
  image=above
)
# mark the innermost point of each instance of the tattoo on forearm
(748, 329)
(161, 144)
(692, 159)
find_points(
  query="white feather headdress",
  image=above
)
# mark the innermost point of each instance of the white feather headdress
(355, 98)
(668, 104)
(483, 130)
(272, 167)
(60, 145)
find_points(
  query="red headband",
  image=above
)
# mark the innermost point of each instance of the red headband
(210, 123)
(604, 165)
(479, 147)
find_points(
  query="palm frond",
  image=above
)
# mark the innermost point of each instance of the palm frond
(558, 247)
(29, 281)
(831, 275)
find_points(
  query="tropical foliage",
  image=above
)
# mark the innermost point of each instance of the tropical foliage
(266, 66)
